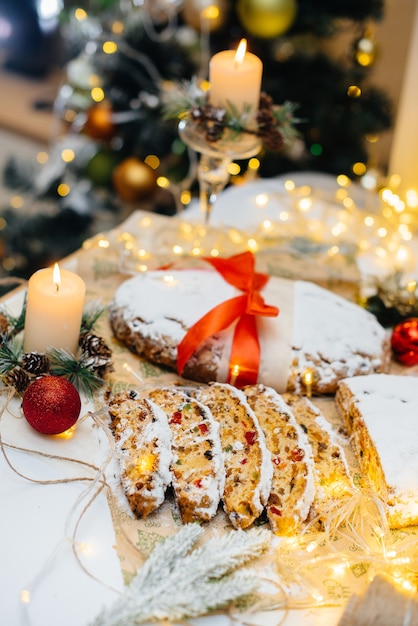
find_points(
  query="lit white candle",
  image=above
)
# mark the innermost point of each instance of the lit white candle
(235, 79)
(54, 310)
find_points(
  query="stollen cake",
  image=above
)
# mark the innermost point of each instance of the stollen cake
(381, 413)
(197, 464)
(292, 489)
(143, 447)
(247, 461)
(316, 329)
(332, 479)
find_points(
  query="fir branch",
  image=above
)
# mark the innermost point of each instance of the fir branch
(65, 364)
(91, 313)
(17, 323)
(11, 351)
(274, 124)
(181, 97)
(178, 582)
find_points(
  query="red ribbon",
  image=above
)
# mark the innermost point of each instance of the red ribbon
(239, 271)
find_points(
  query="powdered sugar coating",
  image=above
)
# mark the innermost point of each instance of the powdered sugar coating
(292, 489)
(305, 501)
(148, 439)
(387, 406)
(152, 312)
(335, 337)
(247, 461)
(198, 473)
(266, 470)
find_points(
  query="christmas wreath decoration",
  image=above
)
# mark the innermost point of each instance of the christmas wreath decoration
(86, 371)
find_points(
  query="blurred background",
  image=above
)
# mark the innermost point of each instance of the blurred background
(83, 137)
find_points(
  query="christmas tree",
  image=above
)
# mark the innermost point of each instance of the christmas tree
(119, 152)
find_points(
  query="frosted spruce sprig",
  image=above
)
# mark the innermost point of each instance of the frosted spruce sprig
(178, 582)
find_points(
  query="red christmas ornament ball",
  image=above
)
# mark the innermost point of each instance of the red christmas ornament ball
(404, 341)
(51, 405)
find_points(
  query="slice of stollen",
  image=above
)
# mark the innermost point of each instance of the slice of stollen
(197, 464)
(332, 479)
(247, 460)
(292, 490)
(143, 448)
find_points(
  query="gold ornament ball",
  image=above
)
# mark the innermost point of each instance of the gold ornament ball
(134, 180)
(99, 123)
(267, 18)
(208, 13)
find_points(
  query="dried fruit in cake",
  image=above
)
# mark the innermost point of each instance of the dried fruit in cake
(247, 461)
(143, 446)
(332, 479)
(292, 489)
(197, 463)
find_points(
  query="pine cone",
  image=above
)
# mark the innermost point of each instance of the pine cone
(273, 140)
(266, 102)
(214, 114)
(214, 131)
(4, 324)
(35, 363)
(265, 119)
(197, 113)
(18, 379)
(96, 353)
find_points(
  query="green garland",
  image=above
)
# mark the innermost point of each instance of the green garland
(86, 371)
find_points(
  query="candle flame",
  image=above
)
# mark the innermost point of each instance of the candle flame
(240, 53)
(56, 276)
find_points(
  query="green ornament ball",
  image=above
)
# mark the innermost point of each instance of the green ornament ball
(267, 18)
(99, 169)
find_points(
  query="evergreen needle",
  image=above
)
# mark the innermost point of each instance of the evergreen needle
(65, 364)
(178, 581)
(10, 355)
(91, 313)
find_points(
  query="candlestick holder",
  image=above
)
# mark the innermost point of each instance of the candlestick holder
(215, 158)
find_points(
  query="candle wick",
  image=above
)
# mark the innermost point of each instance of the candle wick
(57, 287)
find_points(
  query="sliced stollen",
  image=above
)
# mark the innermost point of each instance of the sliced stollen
(247, 461)
(143, 447)
(292, 489)
(381, 414)
(332, 478)
(197, 463)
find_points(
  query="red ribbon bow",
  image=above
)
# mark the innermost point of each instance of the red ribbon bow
(239, 271)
